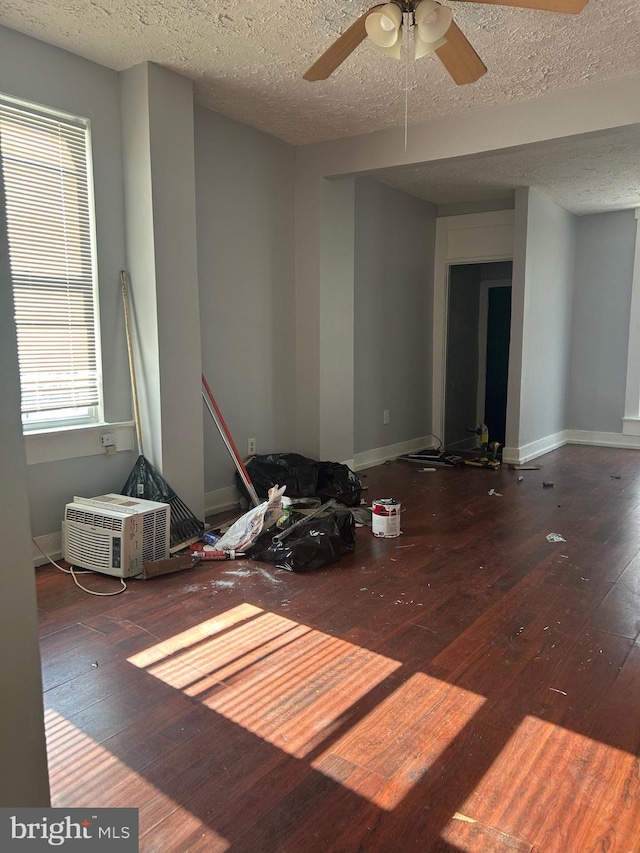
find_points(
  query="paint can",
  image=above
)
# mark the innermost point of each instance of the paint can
(385, 518)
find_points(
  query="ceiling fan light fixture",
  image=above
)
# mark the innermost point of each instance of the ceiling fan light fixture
(424, 48)
(432, 21)
(383, 26)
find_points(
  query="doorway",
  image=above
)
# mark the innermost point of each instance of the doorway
(477, 352)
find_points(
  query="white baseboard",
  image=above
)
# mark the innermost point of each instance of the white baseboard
(51, 544)
(369, 458)
(221, 500)
(603, 439)
(520, 455)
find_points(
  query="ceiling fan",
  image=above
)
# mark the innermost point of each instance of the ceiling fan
(434, 29)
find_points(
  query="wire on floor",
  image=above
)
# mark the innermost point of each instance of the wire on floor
(71, 571)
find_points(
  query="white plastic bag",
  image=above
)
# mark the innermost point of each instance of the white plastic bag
(248, 527)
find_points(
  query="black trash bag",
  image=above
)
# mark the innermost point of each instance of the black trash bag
(297, 473)
(313, 544)
(336, 480)
(303, 477)
(347, 529)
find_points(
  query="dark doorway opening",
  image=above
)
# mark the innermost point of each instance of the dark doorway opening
(477, 352)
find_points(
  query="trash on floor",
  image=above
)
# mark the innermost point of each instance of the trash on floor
(314, 542)
(289, 528)
(555, 537)
(548, 484)
(303, 477)
(156, 568)
(434, 457)
(494, 493)
(200, 551)
(249, 526)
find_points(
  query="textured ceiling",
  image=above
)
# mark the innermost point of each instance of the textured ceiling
(591, 174)
(247, 58)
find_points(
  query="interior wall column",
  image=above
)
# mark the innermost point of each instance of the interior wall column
(631, 419)
(337, 281)
(159, 174)
(23, 756)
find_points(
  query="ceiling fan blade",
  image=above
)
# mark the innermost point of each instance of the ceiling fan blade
(568, 7)
(459, 58)
(342, 47)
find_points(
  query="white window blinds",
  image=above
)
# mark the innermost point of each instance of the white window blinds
(45, 168)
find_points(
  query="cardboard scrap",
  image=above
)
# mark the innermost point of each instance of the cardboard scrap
(156, 568)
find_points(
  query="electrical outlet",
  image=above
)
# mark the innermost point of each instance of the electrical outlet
(251, 446)
(385, 416)
(108, 439)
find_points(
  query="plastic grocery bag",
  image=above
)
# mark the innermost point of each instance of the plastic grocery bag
(249, 526)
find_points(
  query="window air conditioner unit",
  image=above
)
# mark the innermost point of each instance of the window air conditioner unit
(115, 534)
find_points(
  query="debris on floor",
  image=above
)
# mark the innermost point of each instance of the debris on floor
(244, 532)
(157, 568)
(548, 484)
(303, 477)
(314, 543)
(555, 537)
(493, 493)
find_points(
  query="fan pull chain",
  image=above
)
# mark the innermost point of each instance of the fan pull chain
(406, 27)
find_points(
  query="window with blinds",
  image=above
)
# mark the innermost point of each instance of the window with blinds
(46, 171)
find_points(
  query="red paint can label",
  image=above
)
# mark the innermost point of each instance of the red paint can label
(385, 518)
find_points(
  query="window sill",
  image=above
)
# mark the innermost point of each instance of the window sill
(74, 442)
(631, 426)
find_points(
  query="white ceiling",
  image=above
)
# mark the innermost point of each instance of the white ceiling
(247, 58)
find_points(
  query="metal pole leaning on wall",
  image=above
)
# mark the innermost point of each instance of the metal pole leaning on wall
(219, 421)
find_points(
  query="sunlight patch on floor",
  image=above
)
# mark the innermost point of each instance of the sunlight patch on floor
(90, 773)
(525, 770)
(285, 682)
(403, 736)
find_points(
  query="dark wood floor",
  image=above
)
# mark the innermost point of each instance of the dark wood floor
(468, 687)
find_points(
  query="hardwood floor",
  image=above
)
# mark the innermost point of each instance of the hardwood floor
(468, 687)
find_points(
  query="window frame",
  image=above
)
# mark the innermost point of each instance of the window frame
(95, 414)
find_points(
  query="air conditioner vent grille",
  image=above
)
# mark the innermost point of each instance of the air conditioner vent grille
(154, 532)
(85, 547)
(94, 519)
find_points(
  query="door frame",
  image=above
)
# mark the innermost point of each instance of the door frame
(473, 238)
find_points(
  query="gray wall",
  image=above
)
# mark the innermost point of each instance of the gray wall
(245, 214)
(601, 305)
(23, 760)
(394, 262)
(463, 318)
(37, 72)
(337, 274)
(546, 333)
